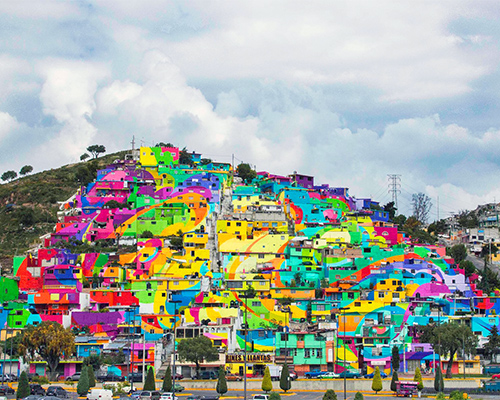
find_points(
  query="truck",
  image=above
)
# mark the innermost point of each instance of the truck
(275, 372)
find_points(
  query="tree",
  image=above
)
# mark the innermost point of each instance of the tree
(468, 267)
(418, 379)
(489, 280)
(330, 395)
(267, 384)
(185, 158)
(205, 161)
(9, 175)
(391, 209)
(467, 219)
(84, 175)
(50, 341)
(399, 220)
(394, 379)
(197, 350)
(90, 373)
(491, 347)
(438, 380)
(96, 149)
(167, 381)
(221, 382)
(395, 359)
(447, 338)
(23, 388)
(274, 396)
(487, 250)
(438, 227)
(83, 383)
(421, 204)
(377, 381)
(149, 383)
(27, 169)
(84, 156)
(285, 382)
(246, 172)
(458, 253)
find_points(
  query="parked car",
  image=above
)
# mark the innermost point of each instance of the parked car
(206, 375)
(6, 389)
(135, 377)
(233, 377)
(100, 394)
(210, 397)
(350, 374)
(33, 397)
(57, 391)
(149, 395)
(178, 387)
(74, 377)
(194, 397)
(260, 397)
(111, 377)
(5, 378)
(496, 376)
(37, 389)
(168, 396)
(329, 375)
(314, 374)
(370, 376)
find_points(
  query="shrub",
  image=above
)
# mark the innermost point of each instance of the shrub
(377, 381)
(285, 382)
(42, 380)
(274, 396)
(221, 382)
(394, 379)
(267, 385)
(440, 396)
(23, 389)
(330, 395)
(418, 378)
(150, 384)
(90, 373)
(167, 381)
(83, 383)
(358, 396)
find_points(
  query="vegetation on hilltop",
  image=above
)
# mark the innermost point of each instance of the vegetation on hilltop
(28, 205)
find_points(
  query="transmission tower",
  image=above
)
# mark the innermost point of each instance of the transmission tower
(394, 187)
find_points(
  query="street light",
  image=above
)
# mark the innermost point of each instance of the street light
(175, 326)
(249, 293)
(345, 371)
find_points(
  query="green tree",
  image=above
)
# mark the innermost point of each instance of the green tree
(96, 149)
(486, 251)
(9, 175)
(94, 360)
(440, 396)
(394, 379)
(23, 388)
(221, 382)
(83, 383)
(489, 280)
(377, 381)
(197, 350)
(438, 227)
(84, 156)
(468, 267)
(267, 384)
(391, 209)
(358, 396)
(83, 175)
(447, 338)
(330, 395)
(458, 252)
(285, 382)
(395, 359)
(491, 347)
(246, 173)
(274, 396)
(185, 158)
(27, 169)
(149, 383)
(50, 341)
(90, 373)
(418, 378)
(438, 380)
(467, 219)
(167, 381)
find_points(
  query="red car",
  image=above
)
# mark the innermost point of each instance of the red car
(496, 376)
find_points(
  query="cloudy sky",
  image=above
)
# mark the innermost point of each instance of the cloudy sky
(347, 91)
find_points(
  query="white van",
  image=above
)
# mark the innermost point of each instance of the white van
(100, 394)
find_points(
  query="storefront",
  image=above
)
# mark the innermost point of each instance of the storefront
(256, 363)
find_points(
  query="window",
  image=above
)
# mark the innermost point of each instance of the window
(307, 353)
(357, 304)
(320, 307)
(284, 337)
(319, 353)
(255, 303)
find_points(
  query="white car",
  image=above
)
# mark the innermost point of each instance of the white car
(260, 397)
(329, 375)
(168, 396)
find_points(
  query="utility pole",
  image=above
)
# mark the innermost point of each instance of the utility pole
(394, 187)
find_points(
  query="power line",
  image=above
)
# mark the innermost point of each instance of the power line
(394, 187)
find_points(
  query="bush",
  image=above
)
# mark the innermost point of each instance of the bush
(23, 389)
(330, 395)
(285, 382)
(221, 382)
(377, 381)
(42, 380)
(274, 396)
(150, 384)
(83, 383)
(456, 395)
(167, 381)
(90, 373)
(394, 379)
(418, 378)
(267, 385)
(440, 396)
(359, 396)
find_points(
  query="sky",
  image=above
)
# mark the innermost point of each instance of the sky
(347, 91)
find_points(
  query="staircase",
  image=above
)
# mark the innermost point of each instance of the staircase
(165, 358)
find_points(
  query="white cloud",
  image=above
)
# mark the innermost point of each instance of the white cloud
(8, 124)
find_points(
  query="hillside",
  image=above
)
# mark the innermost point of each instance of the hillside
(29, 205)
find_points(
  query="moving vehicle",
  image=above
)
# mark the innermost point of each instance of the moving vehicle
(492, 369)
(100, 394)
(149, 395)
(57, 391)
(370, 376)
(37, 389)
(32, 397)
(260, 397)
(275, 372)
(314, 374)
(349, 374)
(329, 375)
(406, 388)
